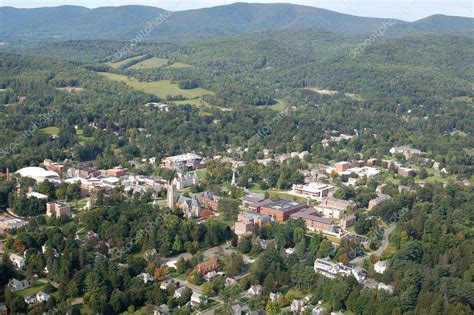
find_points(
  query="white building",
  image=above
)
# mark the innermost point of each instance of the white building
(146, 277)
(42, 297)
(255, 290)
(185, 180)
(198, 299)
(380, 266)
(406, 150)
(385, 287)
(313, 190)
(331, 270)
(274, 297)
(11, 224)
(38, 174)
(178, 293)
(18, 261)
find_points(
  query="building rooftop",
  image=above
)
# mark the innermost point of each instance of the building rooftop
(311, 214)
(284, 205)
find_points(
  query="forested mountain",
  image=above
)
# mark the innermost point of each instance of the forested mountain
(123, 23)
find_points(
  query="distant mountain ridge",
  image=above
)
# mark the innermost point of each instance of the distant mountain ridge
(124, 22)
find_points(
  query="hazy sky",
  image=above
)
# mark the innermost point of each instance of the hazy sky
(403, 9)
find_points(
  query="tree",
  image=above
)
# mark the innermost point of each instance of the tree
(160, 273)
(325, 248)
(229, 208)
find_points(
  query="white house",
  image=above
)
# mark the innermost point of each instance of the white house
(42, 297)
(276, 296)
(17, 285)
(385, 287)
(18, 261)
(255, 290)
(164, 285)
(179, 292)
(146, 277)
(198, 299)
(297, 306)
(30, 299)
(380, 266)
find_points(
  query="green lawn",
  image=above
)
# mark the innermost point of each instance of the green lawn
(82, 138)
(201, 173)
(178, 65)
(154, 62)
(121, 63)
(35, 288)
(162, 88)
(52, 131)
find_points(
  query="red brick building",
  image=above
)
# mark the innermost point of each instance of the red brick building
(282, 209)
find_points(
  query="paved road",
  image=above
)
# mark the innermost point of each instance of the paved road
(386, 234)
(379, 251)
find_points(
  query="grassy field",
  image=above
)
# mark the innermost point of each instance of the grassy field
(154, 62)
(52, 131)
(121, 63)
(35, 288)
(161, 88)
(178, 65)
(81, 137)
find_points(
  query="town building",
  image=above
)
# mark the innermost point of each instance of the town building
(183, 181)
(189, 161)
(313, 221)
(171, 196)
(334, 208)
(57, 209)
(343, 166)
(348, 221)
(405, 172)
(14, 224)
(251, 199)
(313, 190)
(191, 207)
(117, 172)
(246, 222)
(38, 174)
(381, 198)
(281, 210)
(257, 206)
(407, 151)
(209, 201)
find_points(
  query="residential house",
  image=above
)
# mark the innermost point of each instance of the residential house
(255, 290)
(385, 287)
(380, 266)
(17, 285)
(274, 297)
(146, 277)
(42, 297)
(178, 293)
(239, 308)
(198, 300)
(209, 265)
(331, 270)
(18, 261)
(163, 309)
(405, 172)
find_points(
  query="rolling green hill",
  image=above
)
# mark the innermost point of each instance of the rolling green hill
(125, 22)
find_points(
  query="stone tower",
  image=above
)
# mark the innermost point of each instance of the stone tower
(171, 195)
